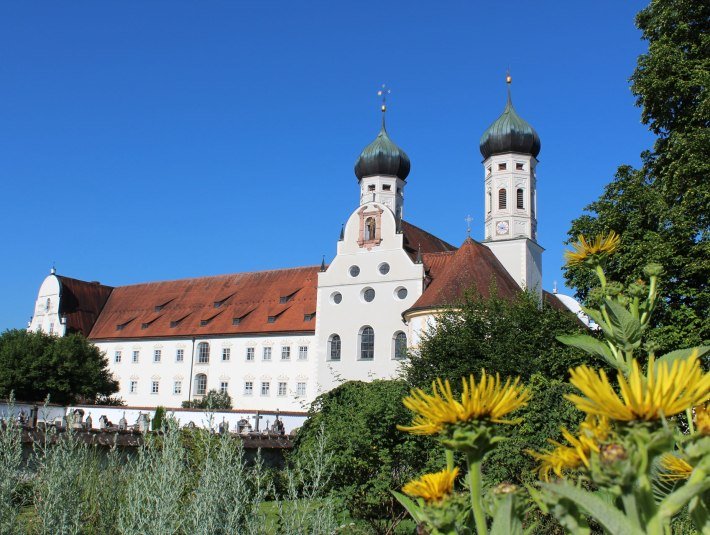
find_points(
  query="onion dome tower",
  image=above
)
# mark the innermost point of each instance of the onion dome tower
(382, 169)
(510, 147)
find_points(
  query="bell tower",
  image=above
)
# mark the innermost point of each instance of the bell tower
(510, 147)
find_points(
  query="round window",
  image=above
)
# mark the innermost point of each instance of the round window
(336, 297)
(384, 268)
(401, 293)
(368, 294)
(354, 271)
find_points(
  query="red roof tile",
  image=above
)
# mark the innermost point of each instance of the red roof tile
(208, 305)
(414, 237)
(473, 265)
(81, 303)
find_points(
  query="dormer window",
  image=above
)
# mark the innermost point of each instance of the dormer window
(286, 298)
(308, 317)
(502, 166)
(272, 319)
(236, 321)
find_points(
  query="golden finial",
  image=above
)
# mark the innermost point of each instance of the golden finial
(508, 78)
(383, 92)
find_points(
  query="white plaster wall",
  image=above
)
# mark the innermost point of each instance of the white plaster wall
(383, 314)
(236, 371)
(522, 258)
(47, 318)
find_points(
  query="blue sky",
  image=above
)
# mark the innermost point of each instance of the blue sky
(157, 140)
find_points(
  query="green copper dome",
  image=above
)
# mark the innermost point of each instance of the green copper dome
(382, 157)
(510, 133)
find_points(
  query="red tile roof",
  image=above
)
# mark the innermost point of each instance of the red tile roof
(473, 265)
(81, 303)
(208, 305)
(414, 237)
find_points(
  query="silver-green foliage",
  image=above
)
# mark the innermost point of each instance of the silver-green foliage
(10, 465)
(58, 496)
(152, 499)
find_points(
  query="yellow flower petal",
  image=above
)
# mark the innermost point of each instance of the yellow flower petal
(432, 487)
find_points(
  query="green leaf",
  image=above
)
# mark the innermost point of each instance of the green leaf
(675, 502)
(627, 329)
(591, 345)
(608, 516)
(682, 354)
(412, 508)
(506, 521)
(599, 320)
(699, 513)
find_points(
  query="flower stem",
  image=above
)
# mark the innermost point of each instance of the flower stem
(474, 475)
(689, 416)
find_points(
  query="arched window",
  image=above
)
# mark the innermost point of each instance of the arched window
(367, 343)
(521, 204)
(502, 199)
(399, 345)
(203, 353)
(334, 347)
(200, 384)
(490, 202)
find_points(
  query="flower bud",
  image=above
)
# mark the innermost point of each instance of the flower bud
(614, 288)
(612, 453)
(637, 289)
(596, 296)
(653, 270)
(504, 488)
(652, 346)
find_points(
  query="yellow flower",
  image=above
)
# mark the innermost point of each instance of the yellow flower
(489, 399)
(702, 420)
(601, 245)
(592, 431)
(667, 389)
(675, 468)
(432, 487)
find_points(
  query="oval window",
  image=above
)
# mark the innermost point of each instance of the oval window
(336, 298)
(368, 295)
(354, 271)
(384, 268)
(401, 293)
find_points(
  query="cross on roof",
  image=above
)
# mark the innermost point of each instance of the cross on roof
(468, 220)
(383, 92)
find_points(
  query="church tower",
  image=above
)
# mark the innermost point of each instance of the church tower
(382, 170)
(510, 147)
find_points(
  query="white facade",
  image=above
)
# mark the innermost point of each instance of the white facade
(46, 312)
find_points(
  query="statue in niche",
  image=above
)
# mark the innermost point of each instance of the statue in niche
(370, 228)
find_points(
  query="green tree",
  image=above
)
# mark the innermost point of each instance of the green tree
(370, 456)
(212, 401)
(511, 337)
(662, 210)
(68, 369)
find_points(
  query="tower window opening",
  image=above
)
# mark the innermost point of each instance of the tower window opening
(386, 187)
(502, 199)
(490, 201)
(502, 166)
(488, 170)
(521, 204)
(519, 167)
(370, 187)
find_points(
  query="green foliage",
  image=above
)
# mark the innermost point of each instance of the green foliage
(214, 400)
(661, 210)
(10, 465)
(68, 369)
(158, 418)
(370, 456)
(511, 337)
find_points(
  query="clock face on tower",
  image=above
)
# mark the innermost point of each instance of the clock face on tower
(502, 227)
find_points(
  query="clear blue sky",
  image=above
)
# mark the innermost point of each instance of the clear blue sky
(144, 141)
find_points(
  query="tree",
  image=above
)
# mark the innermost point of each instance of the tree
(214, 400)
(68, 369)
(370, 456)
(662, 210)
(511, 337)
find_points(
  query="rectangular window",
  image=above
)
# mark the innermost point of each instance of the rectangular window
(502, 166)
(370, 187)
(519, 167)
(136, 354)
(248, 388)
(51, 328)
(386, 187)
(154, 387)
(179, 355)
(177, 387)
(265, 386)
(157, 354)
(133, 387)
(250, 353)
(521, 206)
(303, 353)
(286, 353)
(282, 389)
(226, 353)
(117, 357)
(300, 389)
(223, 387)
(266, 355)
